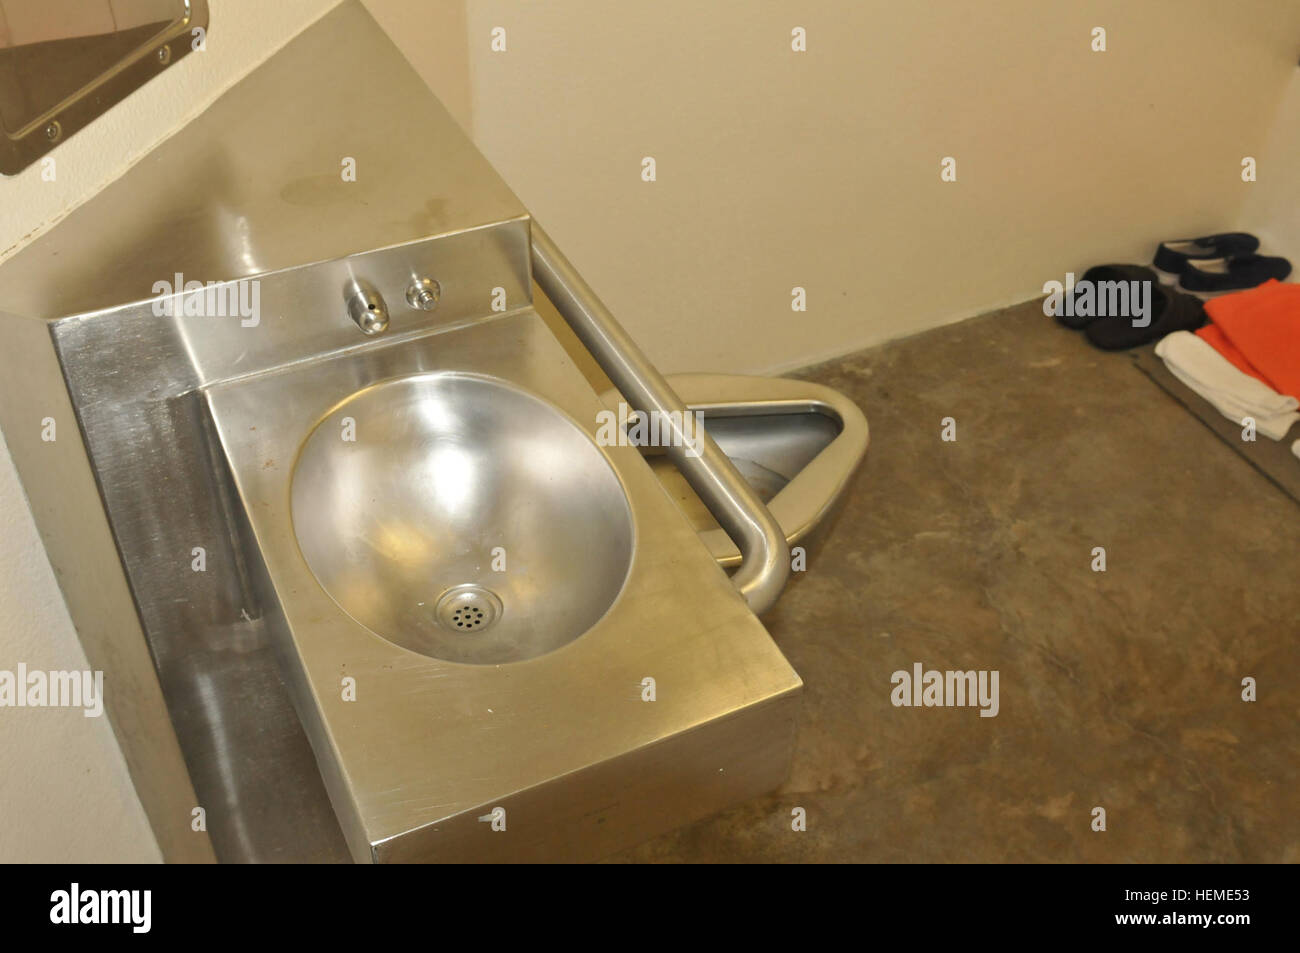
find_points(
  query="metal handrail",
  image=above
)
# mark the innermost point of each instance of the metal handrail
(765, 554)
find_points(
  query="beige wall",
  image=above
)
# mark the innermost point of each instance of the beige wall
(22, 21)
(434, 37)
(821, 169)
(1272, 206)
(65, 794)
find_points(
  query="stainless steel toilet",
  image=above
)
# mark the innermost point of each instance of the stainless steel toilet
(798, 444)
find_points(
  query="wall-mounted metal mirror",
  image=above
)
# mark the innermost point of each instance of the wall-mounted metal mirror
(64, 62)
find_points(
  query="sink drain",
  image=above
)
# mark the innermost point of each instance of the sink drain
(467, 608)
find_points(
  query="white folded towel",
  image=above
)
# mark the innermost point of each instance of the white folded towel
(1234, 393)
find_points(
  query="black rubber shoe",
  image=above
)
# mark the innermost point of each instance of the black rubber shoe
(1232, 274)
(1170, 312)
(1093, 277)
(1173, 256)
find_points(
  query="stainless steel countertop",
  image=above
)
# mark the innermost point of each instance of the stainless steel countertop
(253, 185)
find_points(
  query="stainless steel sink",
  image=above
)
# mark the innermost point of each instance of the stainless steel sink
(461, 518)
(361, 579)
(467, 595)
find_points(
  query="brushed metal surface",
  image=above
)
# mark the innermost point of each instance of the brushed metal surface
(449, 481)
(135, 380)
(51, 89)
(764, 563)
(254, 184)
(797, 443)
(59, 481)
(122, 514)
(429, 747)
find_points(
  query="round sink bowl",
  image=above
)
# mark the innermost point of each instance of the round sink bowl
(461, 518)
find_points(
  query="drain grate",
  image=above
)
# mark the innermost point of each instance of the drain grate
(467, 608)
(468, 617)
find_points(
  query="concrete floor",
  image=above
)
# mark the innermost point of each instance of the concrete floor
(1119, 689)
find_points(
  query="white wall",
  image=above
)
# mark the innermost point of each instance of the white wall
(1272, 206)
(433, 36)
(65, 794)
(821, 169)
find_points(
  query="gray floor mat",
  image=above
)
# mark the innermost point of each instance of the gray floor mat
(1272, 458)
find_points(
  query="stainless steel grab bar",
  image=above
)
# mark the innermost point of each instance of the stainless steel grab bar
(765, 555)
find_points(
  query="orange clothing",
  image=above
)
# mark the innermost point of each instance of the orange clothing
(1258, 332)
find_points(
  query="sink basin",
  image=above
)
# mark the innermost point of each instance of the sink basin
(604, 683)
(464, 520)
